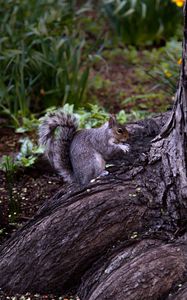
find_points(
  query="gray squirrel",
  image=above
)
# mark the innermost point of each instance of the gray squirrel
(80, 155)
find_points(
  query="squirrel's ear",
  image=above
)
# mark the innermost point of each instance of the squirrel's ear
(112, 121)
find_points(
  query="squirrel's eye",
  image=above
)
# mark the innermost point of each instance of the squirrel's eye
(120, 130)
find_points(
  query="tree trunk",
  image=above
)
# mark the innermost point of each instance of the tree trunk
(117, 229)
(147, 270)
(122, 237)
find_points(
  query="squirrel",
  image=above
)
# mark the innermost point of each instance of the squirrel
(80, 155)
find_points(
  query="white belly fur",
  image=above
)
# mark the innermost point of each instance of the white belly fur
(100, 160)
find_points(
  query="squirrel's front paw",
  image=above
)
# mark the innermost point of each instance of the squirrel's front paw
(125, 148)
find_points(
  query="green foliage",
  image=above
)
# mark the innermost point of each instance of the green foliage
(92, 116)
(146, 102)
(166, 72)
(153, 76)
(25, 158)
(95, 115)
(47, 49)
(41, 57)
(142, 22)
(28, 153)
(28, 124)
(8, 165)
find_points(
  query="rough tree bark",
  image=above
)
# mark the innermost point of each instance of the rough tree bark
(122, 237)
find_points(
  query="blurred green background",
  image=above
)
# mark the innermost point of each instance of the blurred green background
(115, 54)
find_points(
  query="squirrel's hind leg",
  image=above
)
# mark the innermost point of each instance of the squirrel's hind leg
(93, 167)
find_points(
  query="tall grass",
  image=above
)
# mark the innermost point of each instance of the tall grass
(142, 22)
(44, 46)
(41, 56)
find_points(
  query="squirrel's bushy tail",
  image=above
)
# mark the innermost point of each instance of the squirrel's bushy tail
(55, 134)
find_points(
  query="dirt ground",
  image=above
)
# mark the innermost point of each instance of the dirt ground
(121, 79)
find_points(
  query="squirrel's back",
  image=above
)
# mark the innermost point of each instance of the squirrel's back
(55, 134)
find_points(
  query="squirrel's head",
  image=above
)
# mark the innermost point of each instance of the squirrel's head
(119, 131)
